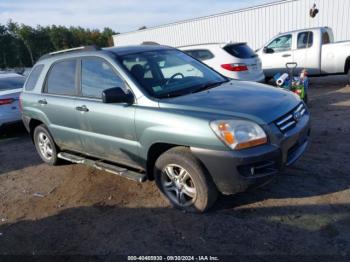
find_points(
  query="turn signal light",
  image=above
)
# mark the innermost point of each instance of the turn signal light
(252, 143)
(227, 135)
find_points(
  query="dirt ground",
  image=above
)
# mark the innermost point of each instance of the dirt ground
(72, 209)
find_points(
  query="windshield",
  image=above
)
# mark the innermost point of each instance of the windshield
(8, 83)
(169, 73)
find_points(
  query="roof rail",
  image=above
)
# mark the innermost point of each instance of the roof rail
(75, 49)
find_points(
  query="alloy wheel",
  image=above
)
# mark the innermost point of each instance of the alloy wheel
(178, 185)
(45, 146)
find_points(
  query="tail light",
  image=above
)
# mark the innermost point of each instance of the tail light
(6, 101)
(235, 67)
(20, 103)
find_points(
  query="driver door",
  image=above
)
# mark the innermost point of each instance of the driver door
(107, 130)
(276, 54)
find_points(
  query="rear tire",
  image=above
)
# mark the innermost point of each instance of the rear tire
(45, 145)
(184, 181)
(348, 74)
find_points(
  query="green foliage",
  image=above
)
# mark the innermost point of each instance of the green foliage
(22, 45)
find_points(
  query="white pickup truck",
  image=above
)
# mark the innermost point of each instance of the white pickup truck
(313, 49)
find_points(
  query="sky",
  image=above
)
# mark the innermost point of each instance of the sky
(120, 15)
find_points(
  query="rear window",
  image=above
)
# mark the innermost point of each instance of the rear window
(200, 54)
(240, 51)
(62, 80)
(305, 40)
(8, 83)
(325, 38)
(33, 77)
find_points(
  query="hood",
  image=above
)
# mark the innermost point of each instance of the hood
(258, 102)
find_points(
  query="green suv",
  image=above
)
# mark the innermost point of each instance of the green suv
(152, 112)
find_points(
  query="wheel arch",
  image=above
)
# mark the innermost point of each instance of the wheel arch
(33, 123)
(347, 65)
(154, 152)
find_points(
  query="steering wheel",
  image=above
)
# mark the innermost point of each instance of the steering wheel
(173, 76)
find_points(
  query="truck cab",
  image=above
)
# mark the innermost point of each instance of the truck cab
(313, 49)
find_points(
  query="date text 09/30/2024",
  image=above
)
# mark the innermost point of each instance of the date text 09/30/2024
(173, 258)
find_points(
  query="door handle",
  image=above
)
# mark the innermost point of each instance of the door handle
(286, 55)
(82, 108)
(42, 102)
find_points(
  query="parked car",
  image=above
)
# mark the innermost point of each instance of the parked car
(195, 132)
(233, 60)
(10, 87)
(313, 49)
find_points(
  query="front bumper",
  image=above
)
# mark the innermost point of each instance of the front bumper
(236, 171)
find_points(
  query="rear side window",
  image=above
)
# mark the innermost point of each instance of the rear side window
(8, 83)
(325, 38)
(62, 78)
(200, 54)
(305, 40)
(96, 76)
(33, 77)
(240, 51)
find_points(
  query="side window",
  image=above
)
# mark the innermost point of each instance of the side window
(325, 38)
(33, 77)
(96, 76)
(305, 40)
(201, 54)
(62, 78)
(282, 43)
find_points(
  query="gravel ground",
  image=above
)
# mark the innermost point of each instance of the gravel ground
(73, 209)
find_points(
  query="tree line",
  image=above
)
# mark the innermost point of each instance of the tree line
(22, 45)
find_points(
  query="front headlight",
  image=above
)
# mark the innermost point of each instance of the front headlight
(239, 134)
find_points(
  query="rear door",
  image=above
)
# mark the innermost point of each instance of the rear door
(57, 104)
(276, 54)
(306, 53)
(108, 130)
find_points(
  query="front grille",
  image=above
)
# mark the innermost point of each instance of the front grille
(289, 120)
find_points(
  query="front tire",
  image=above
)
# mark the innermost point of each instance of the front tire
(45, 145)
(184, 180)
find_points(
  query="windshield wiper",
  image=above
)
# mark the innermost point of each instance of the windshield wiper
(203, 87)
(172, 94)
(209, 86)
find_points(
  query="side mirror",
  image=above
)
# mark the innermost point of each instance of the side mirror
(268, 50)
(117, 95)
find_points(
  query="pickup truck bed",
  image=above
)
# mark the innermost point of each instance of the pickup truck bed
(334, 56)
